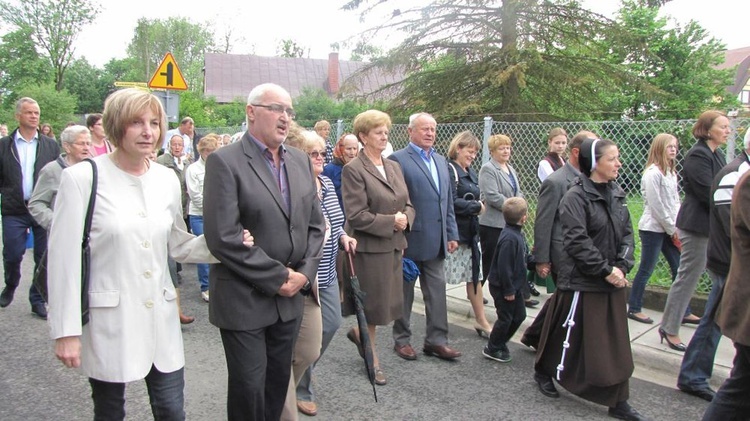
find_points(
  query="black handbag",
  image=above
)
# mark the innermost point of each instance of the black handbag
(40, 276)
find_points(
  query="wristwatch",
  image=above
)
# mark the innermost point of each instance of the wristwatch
(305, 290)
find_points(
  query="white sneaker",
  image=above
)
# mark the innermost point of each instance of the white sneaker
(204, 295)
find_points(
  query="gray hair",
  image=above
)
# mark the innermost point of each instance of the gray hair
(71, 133)
(24, 100)
(414, 117)
(259, 91)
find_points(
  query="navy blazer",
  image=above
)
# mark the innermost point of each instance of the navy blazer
(435, 221)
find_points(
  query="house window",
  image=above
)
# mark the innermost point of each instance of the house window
(745, 97)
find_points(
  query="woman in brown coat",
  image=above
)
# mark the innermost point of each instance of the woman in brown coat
(378, 211)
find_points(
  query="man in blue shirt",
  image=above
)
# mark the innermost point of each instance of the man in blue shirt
(433, 235)
(23, 153)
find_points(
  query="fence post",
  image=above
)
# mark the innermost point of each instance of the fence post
(339, 130)
(486, 138)
(731, 140)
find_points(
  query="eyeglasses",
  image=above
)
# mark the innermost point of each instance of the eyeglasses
(278, 109)
(316, 154)
(82, 144)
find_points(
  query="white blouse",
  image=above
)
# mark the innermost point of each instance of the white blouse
(661, 201)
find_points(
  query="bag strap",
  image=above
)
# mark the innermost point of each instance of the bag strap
(92, 201)
(85, 250)
(455, 173)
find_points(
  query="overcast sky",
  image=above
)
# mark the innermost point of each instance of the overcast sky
(258, 26)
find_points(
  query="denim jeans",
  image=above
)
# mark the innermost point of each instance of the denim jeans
(730, 402)
(196, 226)
(652, 243)
(698, 361)
(165, 392)
(14, 247)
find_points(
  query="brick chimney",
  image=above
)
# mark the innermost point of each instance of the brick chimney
(333, 73)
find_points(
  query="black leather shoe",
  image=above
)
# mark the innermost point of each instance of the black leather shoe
(546, 385)
(532, 289)
(624, 411)
(531, 303)
(39, 310)
(6, 297)
(707, 394)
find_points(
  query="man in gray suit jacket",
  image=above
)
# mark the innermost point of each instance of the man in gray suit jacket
(259, 185)
(548, 246)
(433, 234)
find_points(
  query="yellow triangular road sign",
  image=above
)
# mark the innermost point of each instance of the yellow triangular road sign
(168, 76)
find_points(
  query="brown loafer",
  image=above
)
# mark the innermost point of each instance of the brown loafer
(441, 351)
(380, 377)
(186, 320)
(405, 351)
(308, 408)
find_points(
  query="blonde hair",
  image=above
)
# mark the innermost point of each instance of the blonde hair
(514, 209)
(657, 153)
(123, 106)
(208, 142)
(557, 131)
(368, 120)
(294, 135)
(497, 140)
(311, 139)
(465, 139)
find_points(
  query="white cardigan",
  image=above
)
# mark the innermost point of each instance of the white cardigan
(661, 201)
(194, 175)
(134, 319)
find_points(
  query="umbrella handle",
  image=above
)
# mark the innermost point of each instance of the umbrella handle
(351, 263)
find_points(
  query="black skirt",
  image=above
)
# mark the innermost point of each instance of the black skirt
(599, 362)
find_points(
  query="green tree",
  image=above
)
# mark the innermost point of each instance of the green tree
(54, 26)
(289, 48)
(124, 70)
(187, 41)
(20, 64)
(519, 59)
(315, 104)
(57, 107)
(89, 85)
(364, 51)
(678, 60)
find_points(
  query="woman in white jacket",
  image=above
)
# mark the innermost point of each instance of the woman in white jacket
(134, 330)
(194, 175)
(657, 230)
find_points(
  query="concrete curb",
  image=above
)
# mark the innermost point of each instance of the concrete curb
(659, 365)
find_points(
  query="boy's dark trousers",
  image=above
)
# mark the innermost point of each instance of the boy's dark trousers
(510, 315)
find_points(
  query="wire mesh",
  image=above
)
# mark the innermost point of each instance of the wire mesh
(529, 145)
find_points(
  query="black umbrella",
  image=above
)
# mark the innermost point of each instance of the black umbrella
(357, 297)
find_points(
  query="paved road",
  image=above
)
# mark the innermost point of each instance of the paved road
(35, 386)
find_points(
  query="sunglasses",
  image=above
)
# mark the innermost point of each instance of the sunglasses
(316, 154)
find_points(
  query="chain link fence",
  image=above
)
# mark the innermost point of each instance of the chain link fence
(530, 145)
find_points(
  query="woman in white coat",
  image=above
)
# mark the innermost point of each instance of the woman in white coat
(134, 329)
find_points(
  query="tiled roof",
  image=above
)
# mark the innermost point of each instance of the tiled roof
(232, 76)
(739, 57)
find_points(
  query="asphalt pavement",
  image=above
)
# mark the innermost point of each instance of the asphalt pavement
(35, 386)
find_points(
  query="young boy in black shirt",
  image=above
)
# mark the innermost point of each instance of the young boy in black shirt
(507, 278)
